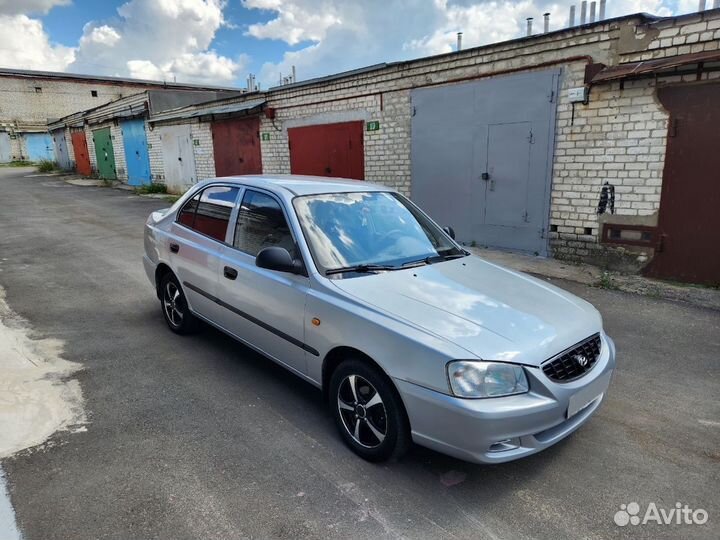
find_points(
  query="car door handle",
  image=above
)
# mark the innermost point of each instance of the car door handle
(230, 273)
(174, 247)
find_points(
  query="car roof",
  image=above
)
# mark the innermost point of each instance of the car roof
(303, 185)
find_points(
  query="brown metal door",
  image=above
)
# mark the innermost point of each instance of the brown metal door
(328, 150)
(689, 220)
(236, 146)
(80, 149)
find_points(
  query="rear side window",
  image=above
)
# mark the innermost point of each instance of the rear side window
(209, 212)
(261, 223)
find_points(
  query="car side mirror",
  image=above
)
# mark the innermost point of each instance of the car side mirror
(279, 259)
(450, 232)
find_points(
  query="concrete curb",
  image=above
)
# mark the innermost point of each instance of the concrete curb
(596, 277)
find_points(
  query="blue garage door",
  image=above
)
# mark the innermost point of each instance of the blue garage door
(136, 152)
(39, 146)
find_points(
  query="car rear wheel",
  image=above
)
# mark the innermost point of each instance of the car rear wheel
(175, 307)
(368, 412)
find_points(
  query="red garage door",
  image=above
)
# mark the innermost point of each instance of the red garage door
(236, 146)
(689, 220)
(80, 149)
(328, 150)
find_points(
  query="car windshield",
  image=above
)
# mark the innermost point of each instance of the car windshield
(372, 229)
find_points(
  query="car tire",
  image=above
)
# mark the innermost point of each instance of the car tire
(174, 306)
(368, 411)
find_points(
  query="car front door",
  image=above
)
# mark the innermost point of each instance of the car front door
(196, 242)
(264, 308)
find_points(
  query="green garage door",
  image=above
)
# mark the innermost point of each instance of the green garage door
(104, 153)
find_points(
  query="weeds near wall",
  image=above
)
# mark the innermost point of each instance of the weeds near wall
(47, 166)
(151, 188)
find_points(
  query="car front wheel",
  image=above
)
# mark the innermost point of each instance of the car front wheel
(368, 412)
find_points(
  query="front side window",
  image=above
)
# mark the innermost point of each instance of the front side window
(369, 228)
(261, 223)
(209, 211)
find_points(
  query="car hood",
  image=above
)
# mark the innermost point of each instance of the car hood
(491, 312)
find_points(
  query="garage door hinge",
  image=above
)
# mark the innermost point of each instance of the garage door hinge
(531, 140)
(526, 217)
(552, 96)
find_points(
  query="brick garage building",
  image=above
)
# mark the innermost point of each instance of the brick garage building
(111, 140)
(29, 99)
(512, 143)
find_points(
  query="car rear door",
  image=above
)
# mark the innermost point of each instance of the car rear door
(264, 308)
(196, 242)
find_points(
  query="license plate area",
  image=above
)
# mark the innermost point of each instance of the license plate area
(585, 396)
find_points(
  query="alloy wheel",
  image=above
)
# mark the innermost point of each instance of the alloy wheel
(173, 304)
(362, 411)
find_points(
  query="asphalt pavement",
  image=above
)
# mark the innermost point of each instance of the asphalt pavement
(199, 437)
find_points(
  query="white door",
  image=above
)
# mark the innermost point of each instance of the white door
(178, 157)
(5, 153)
(62, 155)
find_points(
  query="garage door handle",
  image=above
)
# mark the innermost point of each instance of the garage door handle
(174, 248)
(230, 273)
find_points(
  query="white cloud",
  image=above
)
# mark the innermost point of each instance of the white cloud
(159, 40)
(24, 44)
(17, 7)
(294, 22)
(348, 35)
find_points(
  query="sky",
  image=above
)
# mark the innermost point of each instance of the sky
(219, 42)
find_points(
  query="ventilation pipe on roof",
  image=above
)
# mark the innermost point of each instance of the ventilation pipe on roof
(459, 42)
(583, 12)
(701, 5)
(529, 26)
(571, 19)
(601, 17)
(592, 12)
(293, 75)
(546, 22)
(716, 4)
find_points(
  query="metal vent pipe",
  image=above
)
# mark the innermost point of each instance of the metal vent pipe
(592, 12)
(603, 3)
(571, 19)
(583, 12)
(529, 26)
(701, 5)
(459, 41)
(546, 22)
(716, 4)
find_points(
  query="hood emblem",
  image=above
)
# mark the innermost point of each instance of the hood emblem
(581, 359)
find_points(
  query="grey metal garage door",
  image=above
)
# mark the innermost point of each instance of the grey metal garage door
(482, 158)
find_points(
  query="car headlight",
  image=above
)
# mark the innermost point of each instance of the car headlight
(478, 379)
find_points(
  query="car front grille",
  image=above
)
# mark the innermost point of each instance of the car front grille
(574, 362)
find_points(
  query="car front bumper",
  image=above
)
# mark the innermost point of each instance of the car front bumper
(495, 430)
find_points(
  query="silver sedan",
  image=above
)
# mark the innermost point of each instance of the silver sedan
(353, 288)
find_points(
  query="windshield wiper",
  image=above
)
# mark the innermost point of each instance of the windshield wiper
(360, 269)
(430, 259)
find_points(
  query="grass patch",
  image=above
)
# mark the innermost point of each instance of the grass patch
(47, 166)
(606, 282)
(17, 163)
(151, 188)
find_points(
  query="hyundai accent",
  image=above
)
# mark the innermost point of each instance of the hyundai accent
(356, 290)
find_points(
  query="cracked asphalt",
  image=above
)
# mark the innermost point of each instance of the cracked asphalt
(200, 437)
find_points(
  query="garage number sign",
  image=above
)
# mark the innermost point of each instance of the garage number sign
(373, 126)
(265, 136)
